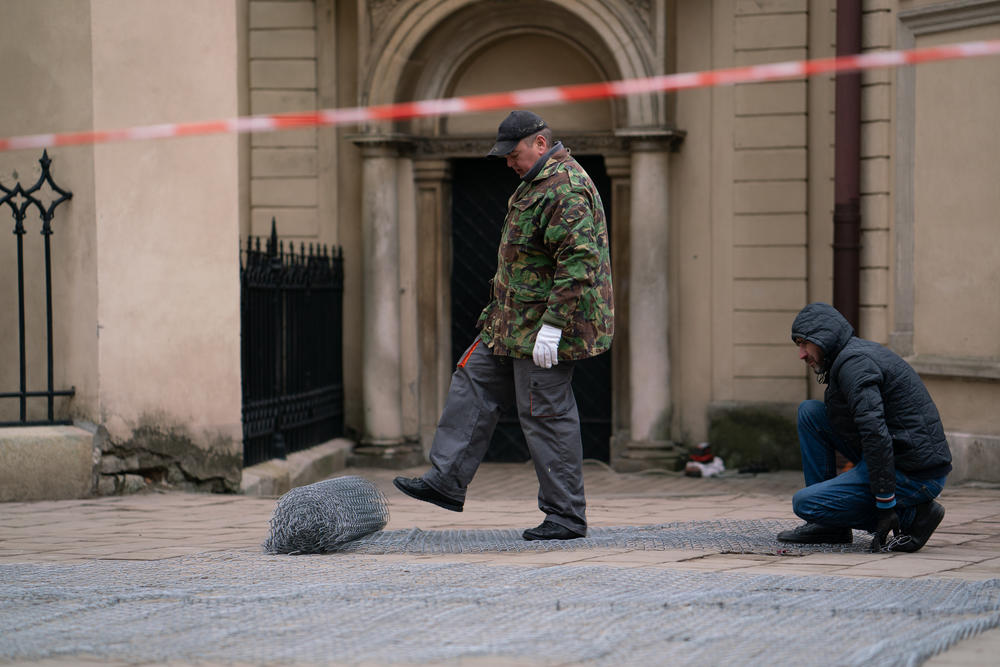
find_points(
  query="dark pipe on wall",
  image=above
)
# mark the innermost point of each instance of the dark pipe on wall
(847, 167)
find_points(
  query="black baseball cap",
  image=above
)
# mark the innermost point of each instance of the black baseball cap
(516, 126)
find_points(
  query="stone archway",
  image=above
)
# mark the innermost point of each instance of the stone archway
(416, 50)
(446, 48)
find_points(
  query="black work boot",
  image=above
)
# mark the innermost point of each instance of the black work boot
(550, 531)
(421, 490)
(926, 521)
(814, 533)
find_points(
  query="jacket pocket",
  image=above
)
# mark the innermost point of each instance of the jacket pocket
(529, 294)
(529, 201)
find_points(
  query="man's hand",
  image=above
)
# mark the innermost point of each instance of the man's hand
(887, 520)
(546, 352)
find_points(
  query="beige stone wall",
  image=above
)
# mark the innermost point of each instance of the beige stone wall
(166, 243)
(770, 203)
(753, 192)
(489, 71)
(766, 186)
(302, 57)
(145, 256)
(956, 203)
(47, 73)
(748, 182)
(284, 165)
(696, 211)
(946, 307)
(876, 176)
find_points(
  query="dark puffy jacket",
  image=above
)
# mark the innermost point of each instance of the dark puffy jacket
(876, 402)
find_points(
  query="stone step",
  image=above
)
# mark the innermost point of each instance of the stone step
(47, 463)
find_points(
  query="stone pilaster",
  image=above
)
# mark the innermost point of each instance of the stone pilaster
(647, 442)
(384, 442)
(433, 297)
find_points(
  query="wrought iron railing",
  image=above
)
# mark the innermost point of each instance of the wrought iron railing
(293, 388)
(20, 201)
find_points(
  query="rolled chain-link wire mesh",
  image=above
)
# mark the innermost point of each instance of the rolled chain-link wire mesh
(322, 517)
(249, 608)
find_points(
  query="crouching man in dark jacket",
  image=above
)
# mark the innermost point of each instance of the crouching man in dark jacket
(878, 414)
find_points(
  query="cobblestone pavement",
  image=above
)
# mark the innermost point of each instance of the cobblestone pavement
(158, 526)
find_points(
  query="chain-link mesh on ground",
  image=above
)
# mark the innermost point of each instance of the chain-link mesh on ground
(756, 536)
(254, 608)
(348, 514)
(321, 517)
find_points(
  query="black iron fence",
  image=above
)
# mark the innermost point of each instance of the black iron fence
(293, 387)
(21, 201)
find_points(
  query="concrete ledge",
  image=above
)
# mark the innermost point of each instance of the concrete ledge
(392, 456)
(277, 476)
(755, 434)
(46, 463)
(959, 367)
(974, 457)
(629, 455)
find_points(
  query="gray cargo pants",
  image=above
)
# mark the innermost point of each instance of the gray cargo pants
(482, 386)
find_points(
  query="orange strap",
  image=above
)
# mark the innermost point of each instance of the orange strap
(468, 354)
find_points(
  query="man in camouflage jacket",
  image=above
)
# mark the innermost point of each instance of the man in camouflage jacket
(552, 305)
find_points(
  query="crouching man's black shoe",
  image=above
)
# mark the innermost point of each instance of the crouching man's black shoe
(550, 531)
(814, 533)
(421, 490)
(926, 521)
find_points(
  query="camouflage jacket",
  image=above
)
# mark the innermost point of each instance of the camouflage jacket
(553, 266)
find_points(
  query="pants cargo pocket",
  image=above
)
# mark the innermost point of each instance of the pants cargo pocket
(550, 394)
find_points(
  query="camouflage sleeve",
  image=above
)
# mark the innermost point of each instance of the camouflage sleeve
(571, 239)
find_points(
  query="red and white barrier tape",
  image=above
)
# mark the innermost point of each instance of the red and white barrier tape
(516, 99)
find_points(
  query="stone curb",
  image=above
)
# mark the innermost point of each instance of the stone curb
(277, 476)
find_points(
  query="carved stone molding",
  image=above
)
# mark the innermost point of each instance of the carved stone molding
(379, 12)
(414, 49)
(968, 368)
(619, 143)
(446, 147)
(948, 16)
(383, 145)
(644, 10)
(651, 139)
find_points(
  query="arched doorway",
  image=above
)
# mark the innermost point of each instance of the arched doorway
(480, 189)
(457, 48)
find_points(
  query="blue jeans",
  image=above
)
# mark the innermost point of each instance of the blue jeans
(846, 500)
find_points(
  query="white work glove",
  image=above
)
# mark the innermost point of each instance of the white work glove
(546, 352)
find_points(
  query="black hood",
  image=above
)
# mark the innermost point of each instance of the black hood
(822, 324)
